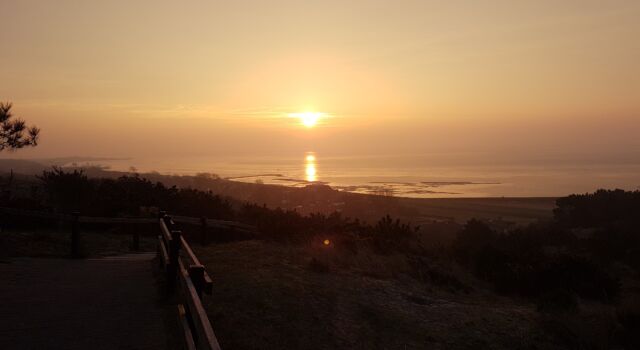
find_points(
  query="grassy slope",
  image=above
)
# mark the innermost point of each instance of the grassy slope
(265, 296)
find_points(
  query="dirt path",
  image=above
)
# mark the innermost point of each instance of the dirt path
(108, 303)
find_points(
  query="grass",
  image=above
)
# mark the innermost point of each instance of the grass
(266, 295)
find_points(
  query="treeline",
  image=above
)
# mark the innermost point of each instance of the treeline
(599, 209)
(570, 256)
(66, 191)
(588, 255)
(127, 195)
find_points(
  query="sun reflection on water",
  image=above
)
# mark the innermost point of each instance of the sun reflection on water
(310, 167)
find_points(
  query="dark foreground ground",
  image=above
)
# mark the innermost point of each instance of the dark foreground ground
(98, 303)
(267, 296)
(277, 295)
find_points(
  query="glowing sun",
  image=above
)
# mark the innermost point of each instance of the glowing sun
(308, 119)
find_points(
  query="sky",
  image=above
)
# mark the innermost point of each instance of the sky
(509, 79)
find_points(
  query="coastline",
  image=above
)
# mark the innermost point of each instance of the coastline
(320, 198)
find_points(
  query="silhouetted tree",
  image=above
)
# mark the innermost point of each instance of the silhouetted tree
(74, 190)
(14, 132)
(67, 191)
(601, 208)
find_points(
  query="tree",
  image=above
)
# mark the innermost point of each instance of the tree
(14, 133)
(67, 190)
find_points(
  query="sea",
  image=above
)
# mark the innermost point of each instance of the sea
(419, 176)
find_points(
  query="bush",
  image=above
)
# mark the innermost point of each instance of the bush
(516, 262)
(472, 239)
(507, 274)
(557, 301)
(67, 191)
(388, 236)
(579, 276)
(597, 209)
(628, 314)
(591, 329)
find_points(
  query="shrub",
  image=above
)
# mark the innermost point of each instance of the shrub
(67, 191)
(597, 209)
(628, 314)
(472, 239)
(516, 262)
(388, 236)
(577, 275)
(557, 301)
(590, 329)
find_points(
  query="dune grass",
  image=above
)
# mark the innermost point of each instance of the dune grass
(269, 296)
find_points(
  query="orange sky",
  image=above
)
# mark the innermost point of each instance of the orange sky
(138, 78)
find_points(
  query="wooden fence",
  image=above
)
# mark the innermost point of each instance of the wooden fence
(204, 224)
(186, 277)
(213, 223)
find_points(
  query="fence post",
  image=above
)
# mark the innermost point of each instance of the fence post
(167, 221)
(161, 214)
(75, 244)
(196, 273)
(203, 231)
(174, 258)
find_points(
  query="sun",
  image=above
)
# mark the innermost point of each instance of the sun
(308, 119)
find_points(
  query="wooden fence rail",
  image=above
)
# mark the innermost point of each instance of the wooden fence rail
(75, 219)
(213, 223)
(186, 277)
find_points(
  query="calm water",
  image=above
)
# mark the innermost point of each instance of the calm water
(407, 176)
